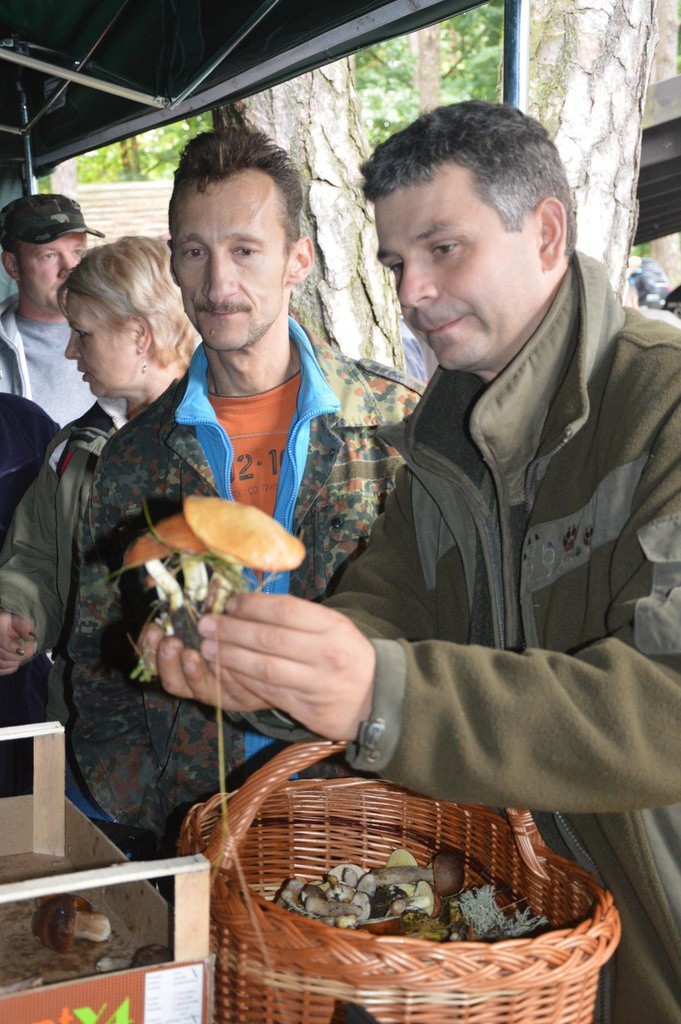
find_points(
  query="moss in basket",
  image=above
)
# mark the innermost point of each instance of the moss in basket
(489, 922)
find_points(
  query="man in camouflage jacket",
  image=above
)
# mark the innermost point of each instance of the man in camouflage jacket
(143, 753)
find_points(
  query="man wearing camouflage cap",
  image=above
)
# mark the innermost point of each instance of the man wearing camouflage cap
(42, 237)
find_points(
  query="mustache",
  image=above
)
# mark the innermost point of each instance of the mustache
(222, 307)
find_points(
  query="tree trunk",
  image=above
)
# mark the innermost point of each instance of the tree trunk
(63, 180)
(667, 251)
(428, 67)
(130, 158)
(348, 296)
(589, 69)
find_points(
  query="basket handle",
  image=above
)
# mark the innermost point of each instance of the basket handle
(244, 804)
(531, 846)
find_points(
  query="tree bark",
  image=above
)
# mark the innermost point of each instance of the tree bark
(589, 70)
(63, 180)
(427, 76)
(667, 250)
(348, 297)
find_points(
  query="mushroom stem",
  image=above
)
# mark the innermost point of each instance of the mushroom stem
(393, 876)
(95, 927)
(195, 578)
(220, 589)
(166, 585)
(445, 874)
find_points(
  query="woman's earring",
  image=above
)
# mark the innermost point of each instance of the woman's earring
(144, 366)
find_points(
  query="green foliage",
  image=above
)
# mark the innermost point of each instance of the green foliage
(151, 156)
(470, 61)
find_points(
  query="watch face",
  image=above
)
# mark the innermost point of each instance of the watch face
(370, 738)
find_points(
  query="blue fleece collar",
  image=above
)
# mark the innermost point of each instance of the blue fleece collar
(315, 398)
(315, 391)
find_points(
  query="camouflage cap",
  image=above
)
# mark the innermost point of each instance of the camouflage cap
(41, 218)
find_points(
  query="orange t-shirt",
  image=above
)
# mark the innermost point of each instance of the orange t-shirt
(258, 427)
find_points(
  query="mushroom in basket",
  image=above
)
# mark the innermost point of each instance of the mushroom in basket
(405, 899)
(196, 559)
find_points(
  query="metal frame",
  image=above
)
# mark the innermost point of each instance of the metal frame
(516, 53)
(333, 44)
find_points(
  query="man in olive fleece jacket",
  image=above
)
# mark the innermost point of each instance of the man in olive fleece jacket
(512, 636)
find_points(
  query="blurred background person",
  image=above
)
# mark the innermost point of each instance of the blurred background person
(25, 431)
(129, 339)
(673, 301)
(43, 237)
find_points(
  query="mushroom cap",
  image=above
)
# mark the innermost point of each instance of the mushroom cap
(448, 872)
(54, 920)
(171, 534)
(244, 533)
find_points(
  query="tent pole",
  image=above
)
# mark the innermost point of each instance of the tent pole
(516, 52)
(30, 184)
(245, 30)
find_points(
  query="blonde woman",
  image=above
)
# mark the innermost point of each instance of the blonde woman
(130, 338)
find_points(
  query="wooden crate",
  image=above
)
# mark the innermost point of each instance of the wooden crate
(47, 847)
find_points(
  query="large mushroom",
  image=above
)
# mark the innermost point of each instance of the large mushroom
(243, 534)
(209, 544)
(445, 873)
(61, 919)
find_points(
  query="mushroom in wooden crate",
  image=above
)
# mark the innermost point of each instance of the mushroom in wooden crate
(61, 919)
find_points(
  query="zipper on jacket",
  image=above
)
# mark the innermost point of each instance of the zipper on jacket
(576, 846)
(307, 417)
(532, 470)
(491, 546)
(494, 552)
(583, 858)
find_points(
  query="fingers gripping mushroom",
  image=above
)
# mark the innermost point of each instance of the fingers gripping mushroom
(210, 535)
(61, 919)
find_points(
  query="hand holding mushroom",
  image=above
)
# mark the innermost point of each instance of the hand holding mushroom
(209, 544)
(267, 650)
(276, 651)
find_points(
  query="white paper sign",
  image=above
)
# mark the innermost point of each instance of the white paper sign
(174, 996)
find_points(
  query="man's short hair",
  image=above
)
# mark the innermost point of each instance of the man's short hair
(513, 161)
(213, 157)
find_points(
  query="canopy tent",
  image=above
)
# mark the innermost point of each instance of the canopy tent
(79, 74)
(659, 181)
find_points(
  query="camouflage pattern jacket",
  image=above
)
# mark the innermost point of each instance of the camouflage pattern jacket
(146, 754)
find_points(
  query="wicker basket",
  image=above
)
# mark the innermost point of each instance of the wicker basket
(276, 966)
